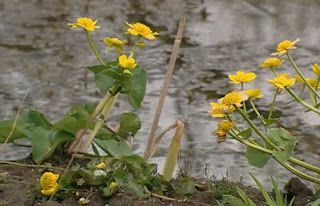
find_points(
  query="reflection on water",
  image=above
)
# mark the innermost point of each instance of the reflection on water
(39, 52)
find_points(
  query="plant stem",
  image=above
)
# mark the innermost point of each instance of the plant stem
(134, 48)
(255, 128)
(104, 115)
(297, 172)
(258, 114)
(94, 48)
(285, 165)
(274, 71)
(312, 98)
(27, 165)
(301, 75)
(305, 104)
(317, 84)
(272, 104)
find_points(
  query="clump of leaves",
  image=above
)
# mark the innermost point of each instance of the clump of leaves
(222, 188)
(246, 201)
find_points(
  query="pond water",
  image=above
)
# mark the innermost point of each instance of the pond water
(38, 52)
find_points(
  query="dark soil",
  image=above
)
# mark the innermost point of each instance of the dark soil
(18, 187)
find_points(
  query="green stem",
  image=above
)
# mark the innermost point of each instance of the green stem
(272, 104)
(104, 115)
(305, 104)
(274, 71)
(94, 48)
(297, 172)
(134, 48)
(312, 98)
(301, 75)
(285, 165)
(255, 128)
(258, 114)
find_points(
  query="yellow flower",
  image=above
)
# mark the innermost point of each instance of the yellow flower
(115, 42)
(48, 183)
(282, 81)
(312, 82)
(141, 29)
(219, 110)
(242, 77)
(223, 129)
(271, 62)
(316, 69)
(85, 23)
(284, 46)
(234, 98)
(127, 63)
(254, 93)
(102, 165)
(113, 185)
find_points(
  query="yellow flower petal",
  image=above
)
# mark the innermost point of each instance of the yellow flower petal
(141, 29)
(127, 63)
(48, 183)
(85, 23)
(282, 81)
(254, 93)
(284, 46)
(316, 69)
(271, 62)
(242, 77)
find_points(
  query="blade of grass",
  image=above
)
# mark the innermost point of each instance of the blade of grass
(264, 192)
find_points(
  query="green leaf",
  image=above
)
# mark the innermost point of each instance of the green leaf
(70, 124)
(129, 124)
(256, 157)
(264, 192)
(136, 189)
(245, 197)
(137, 92)
(61, 137)
(114, 148)
(186, 187)
(269, 121)
(40, 142)
(246, 133)
(36, 119)
(103, 82)
(126, 83)
(20, 131)
(98, 68)
(284, 140)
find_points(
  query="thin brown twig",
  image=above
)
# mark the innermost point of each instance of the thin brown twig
(14, 123)
(27, 165)
(165, 87)
(163, 197)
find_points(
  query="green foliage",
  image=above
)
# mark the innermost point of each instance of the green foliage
(129, 124)
(133, 85)
(246, 133)
(285, 140)
(186, 187)
(246, 201)
(114, 148)
(256, 157)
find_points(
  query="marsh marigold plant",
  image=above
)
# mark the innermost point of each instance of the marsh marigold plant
(141, 29)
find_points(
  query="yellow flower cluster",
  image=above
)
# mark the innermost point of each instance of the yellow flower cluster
(48, 183)
(224, 127)
(282, 81)
(102, 166)
(242, 77)
(284, 46)
(141, 29)
(85, 23)
(115, 42)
